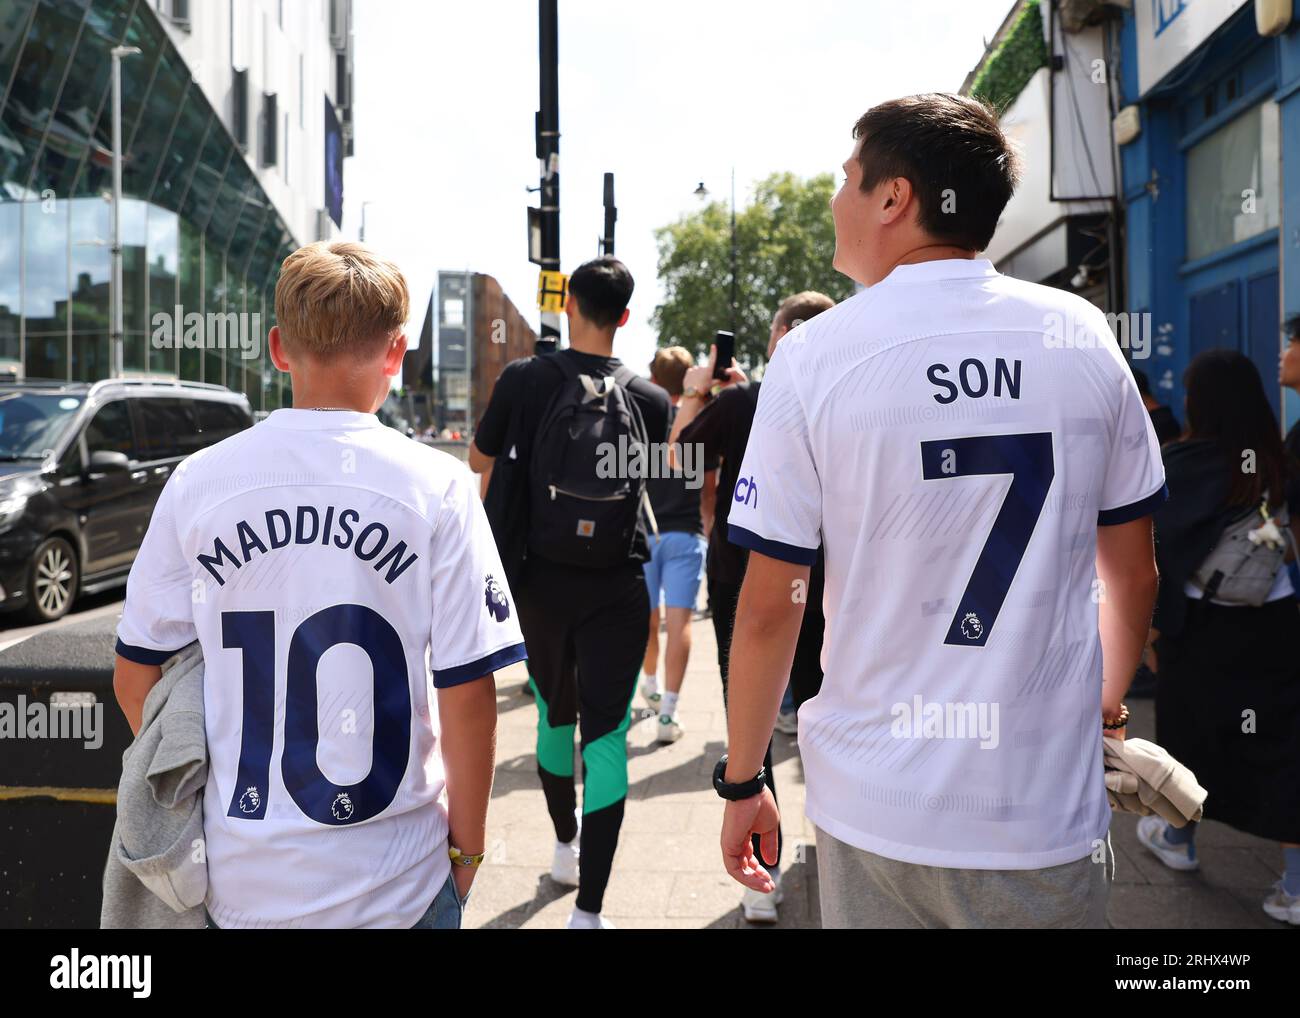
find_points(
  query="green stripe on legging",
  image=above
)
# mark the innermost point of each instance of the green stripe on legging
(554, 744)
(605, 759)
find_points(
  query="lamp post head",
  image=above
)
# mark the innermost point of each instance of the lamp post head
(701, 192)
(125, 51)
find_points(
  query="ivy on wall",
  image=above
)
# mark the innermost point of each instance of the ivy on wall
(1008, 69)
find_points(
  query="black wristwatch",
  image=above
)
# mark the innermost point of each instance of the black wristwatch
(741, 789)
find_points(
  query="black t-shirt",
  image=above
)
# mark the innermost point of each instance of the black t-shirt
(676, 499)
(529, 384)
(1166, 424)
(722, 428)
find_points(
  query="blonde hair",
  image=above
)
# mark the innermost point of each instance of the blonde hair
(669, 368)
(801, 306)
(339, 298)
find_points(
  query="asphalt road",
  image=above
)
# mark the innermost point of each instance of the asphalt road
(13, 628)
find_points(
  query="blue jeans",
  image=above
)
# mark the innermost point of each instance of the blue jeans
(446, 912)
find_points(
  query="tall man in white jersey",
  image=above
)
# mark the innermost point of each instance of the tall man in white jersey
(345, 589)
(973, 455)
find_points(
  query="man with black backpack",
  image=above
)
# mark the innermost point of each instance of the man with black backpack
(568, 439)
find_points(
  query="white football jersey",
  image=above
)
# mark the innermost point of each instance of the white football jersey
(334, 572)
(953, 437)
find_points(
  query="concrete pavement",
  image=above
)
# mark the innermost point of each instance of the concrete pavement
(668, 871)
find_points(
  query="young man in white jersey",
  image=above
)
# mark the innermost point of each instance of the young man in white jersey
(336, 575)
(973, 455)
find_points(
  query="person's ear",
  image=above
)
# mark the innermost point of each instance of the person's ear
(394, 354)
(898, 196)
(622, 319)
(275, 344)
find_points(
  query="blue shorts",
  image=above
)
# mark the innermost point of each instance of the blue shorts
(676, 567)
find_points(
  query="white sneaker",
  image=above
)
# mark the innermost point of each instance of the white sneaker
(580, 920)
(787, 722)
(759, 907)
(564, 864)
(1282, 906)
(650, 694)
(669, 729)
(1151, 832)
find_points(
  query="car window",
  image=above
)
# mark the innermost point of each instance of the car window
(110, 430)
(32, 424)
(219, 420)
(169, 428)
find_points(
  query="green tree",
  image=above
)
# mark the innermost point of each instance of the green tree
(785, 240)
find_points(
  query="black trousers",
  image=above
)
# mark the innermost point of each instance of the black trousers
(585, 630)
(1228, 707)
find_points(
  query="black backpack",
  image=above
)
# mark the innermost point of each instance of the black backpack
(576, 516)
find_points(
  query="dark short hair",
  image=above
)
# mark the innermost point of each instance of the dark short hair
(1143, 382)
(603, 287)
(952, 151)
(800, 307)
(1291, 327)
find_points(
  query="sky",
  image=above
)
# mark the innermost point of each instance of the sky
(664, 95)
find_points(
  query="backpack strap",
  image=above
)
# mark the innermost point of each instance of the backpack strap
(596, 388)
(623, 376)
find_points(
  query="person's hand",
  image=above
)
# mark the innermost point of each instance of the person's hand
(701, 377)
(740, 821)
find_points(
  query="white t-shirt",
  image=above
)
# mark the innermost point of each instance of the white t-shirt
(954, 437)
(332, 570)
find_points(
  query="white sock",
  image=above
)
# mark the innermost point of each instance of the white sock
(650, 682)
(668, 704)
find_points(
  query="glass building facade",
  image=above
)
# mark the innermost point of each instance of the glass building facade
(198, 231)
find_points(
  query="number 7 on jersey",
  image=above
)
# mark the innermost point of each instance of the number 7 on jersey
(1029, 461)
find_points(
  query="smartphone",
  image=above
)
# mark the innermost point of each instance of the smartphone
(725, 345)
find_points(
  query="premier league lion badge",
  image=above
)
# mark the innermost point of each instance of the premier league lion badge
(495, 598)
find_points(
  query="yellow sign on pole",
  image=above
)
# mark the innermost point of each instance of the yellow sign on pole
(552, 289)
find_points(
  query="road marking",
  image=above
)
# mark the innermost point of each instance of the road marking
(100, 796)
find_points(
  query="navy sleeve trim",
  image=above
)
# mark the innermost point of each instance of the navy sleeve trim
(477, 669)
(772, 549)
(143, 655)
(1133, 511)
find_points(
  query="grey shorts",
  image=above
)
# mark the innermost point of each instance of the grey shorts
(862, 890)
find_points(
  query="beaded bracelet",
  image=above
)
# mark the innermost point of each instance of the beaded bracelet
(1119, 722)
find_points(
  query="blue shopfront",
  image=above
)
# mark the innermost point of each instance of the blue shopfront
(1211, 182)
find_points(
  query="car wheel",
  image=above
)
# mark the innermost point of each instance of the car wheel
(52, 585)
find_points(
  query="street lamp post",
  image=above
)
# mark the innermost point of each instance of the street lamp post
(362, 238)
(115, 249)
(702, 192)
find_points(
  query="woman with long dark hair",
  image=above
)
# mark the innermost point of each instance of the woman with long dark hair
(1227, 672)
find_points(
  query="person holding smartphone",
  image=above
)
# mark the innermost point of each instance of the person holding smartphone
(717, 410)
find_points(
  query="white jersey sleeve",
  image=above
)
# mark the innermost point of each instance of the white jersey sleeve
(475, 629)
(158, 616)
(1134, 482)
(776, 508)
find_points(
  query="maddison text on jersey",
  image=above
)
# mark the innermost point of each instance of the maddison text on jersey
(330, 527)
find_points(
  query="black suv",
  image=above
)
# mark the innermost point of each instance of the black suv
(81, 467)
